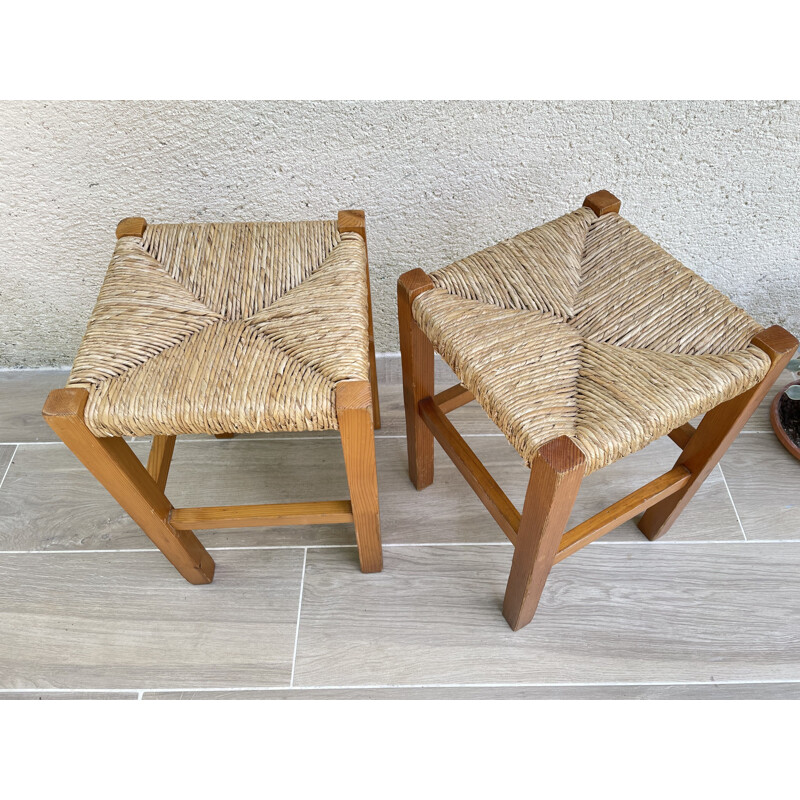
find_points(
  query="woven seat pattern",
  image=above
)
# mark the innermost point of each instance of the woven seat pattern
(225, 328)
(584, 327)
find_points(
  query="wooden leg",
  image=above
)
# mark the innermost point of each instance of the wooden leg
(373, 379)
(114, 464)
(556, 475)
(160, 458)
(416, 353)
(716, 432)
(354, 412)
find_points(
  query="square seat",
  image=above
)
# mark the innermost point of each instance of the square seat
(225, 328)
(586, 328)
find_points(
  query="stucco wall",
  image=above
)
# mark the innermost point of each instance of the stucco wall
(718, 184)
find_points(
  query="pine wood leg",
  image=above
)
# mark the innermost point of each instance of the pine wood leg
(354, 412)
(373, 382)
(556, 475)
(416, 353)
(715, 433)
(116, 467)
(160, 458)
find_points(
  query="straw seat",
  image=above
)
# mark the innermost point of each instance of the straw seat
(225, 328)
(586, 328)
(584, 341)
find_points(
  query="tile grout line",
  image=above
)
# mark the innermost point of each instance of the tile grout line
(266, 438)
(668, 543)
(299, 609)
(272, 438)
(735, 510)
(141, 694)
(9, 465)
(340, 687)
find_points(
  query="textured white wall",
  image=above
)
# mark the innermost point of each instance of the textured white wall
(718, 184)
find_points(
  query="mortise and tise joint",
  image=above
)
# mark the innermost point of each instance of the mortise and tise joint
(453, 398)
(682, 434)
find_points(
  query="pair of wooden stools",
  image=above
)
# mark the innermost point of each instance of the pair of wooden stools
(582, 339)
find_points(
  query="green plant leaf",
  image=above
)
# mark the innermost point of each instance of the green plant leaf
(794, 365)
(793, 392)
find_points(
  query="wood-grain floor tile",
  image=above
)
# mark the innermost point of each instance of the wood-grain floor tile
(22, 396)
(50, 501)
(129, 621)
(660, 612)
(764, 480)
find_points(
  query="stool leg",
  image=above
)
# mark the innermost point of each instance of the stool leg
(373, 379)
(115, 465)
(715, 433)
(354, 412)
(160, 458)
(416, 353)
(556, 475)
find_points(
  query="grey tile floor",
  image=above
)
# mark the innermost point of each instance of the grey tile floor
(89, 609)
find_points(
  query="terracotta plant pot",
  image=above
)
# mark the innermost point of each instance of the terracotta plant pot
(775, 418)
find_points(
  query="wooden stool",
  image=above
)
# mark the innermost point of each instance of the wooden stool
(583, 341)
(223, 329)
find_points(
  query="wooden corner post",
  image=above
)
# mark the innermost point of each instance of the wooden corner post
(603, 202)
(131, 226)
(118, 469)
(354, 413)
(416, 354)
(354, 221)
(556, 474)
(717, 430)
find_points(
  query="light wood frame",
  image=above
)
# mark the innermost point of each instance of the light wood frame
(538, 533)
(140, 490)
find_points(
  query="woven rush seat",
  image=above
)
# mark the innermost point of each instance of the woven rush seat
(586, 328)
(225, 328)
